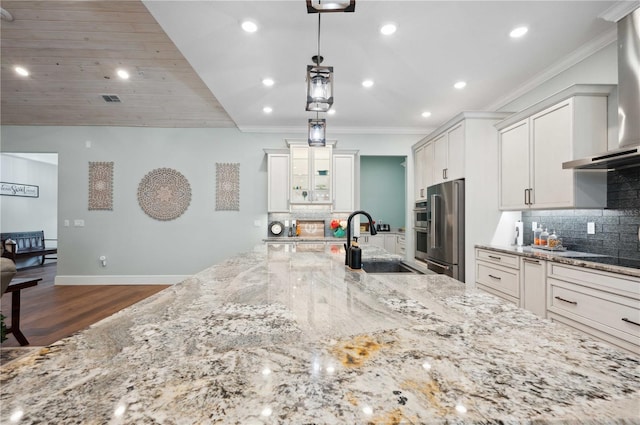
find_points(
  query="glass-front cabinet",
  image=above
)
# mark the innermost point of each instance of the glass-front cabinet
(311, 171)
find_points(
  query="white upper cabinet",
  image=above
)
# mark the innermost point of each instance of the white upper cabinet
(278, 182)
(421, 167)
(532, 150)
(448, 152)
(311, 171)
(344, 182)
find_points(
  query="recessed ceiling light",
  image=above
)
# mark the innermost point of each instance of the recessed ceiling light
(267, 109)
(268, 82)
(123, 74)
(426, 114)
(21, 71)
(518, 32)
(249, 26)
(388, 29)
(460, 85)
(331, 111)
(367, 83)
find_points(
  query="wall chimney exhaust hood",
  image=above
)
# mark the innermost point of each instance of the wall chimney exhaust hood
(628, 152)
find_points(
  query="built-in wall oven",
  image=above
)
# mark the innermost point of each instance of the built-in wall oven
(421, 228)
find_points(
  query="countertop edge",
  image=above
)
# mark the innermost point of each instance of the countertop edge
(549, 256)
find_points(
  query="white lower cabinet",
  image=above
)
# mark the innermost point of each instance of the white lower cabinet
(498, 274)
(517, 279)
(602, 304)
(533, 275)
(389, 242)
(400, 245)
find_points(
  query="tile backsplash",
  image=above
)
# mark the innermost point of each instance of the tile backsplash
(616, 227)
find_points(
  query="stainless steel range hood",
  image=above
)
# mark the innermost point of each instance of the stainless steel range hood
(628, 153)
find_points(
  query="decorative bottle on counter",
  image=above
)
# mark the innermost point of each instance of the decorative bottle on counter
(553, 239)
(536, 236)
(544, 237)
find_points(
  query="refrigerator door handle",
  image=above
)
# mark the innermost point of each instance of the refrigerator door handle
(442, 266)
(434, 233)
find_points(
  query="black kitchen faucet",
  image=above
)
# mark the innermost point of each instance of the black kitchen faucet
(347, 247)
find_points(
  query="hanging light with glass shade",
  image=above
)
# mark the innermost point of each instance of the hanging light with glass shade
(317, 131)
(319, 86)
(319, 82)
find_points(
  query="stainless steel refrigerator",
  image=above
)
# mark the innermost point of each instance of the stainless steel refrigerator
(445, 253)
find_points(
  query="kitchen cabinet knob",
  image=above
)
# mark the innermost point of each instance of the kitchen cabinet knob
(566, 301)
(495, 277)
(624, 319)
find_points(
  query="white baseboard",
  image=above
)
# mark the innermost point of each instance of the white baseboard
(120, 280)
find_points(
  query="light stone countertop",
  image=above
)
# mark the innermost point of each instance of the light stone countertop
(573, 258)
(282, 336)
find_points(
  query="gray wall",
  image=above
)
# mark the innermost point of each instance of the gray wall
(136, 245)
(382, 183)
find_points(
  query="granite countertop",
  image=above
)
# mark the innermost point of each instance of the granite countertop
(573, 258)
(282, 336)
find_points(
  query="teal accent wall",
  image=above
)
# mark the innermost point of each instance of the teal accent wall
(382, 188)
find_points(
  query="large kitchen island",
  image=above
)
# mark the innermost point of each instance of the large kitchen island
(287, 335)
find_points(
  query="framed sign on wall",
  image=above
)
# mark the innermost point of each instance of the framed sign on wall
(17, 189)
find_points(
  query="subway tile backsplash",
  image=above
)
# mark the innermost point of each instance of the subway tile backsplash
(616, 226)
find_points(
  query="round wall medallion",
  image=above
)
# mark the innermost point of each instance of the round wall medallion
(164, 194)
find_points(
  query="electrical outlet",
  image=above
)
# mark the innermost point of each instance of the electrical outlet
(534, 225)
(591, 228)
(66, 223)
(78, 222)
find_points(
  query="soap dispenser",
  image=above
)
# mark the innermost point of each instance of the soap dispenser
(355, 260)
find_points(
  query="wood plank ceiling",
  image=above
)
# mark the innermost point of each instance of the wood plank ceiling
(72, 50)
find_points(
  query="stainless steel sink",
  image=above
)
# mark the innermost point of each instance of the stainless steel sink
(387, 266)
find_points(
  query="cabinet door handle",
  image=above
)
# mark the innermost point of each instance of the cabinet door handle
(421, 193)
(495, 277)
(444, 173)
(624, 319)
(495, 257)
(530, 201)
(566, 301)
(527, 260)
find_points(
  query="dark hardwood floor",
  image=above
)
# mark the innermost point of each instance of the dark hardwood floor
(50, 313)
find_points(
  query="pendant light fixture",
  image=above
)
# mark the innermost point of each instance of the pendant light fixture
(321, 6)
(319, 77)
(317, 131)
(319, 83)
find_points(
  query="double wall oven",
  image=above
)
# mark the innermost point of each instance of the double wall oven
(421, 215)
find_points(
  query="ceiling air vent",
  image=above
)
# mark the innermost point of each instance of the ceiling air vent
(111, 98)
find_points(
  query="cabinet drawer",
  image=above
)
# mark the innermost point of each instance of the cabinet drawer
(615, 315)
(502, 279)
(612, 282)
(508, 260)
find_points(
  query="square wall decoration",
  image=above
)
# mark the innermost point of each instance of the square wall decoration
(101, 186)
(227, 187)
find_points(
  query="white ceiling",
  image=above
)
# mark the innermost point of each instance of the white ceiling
(213, 77)
(437, 43)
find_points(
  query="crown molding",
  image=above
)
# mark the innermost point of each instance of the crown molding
(619, 10)
(570, 60)
(341, 130)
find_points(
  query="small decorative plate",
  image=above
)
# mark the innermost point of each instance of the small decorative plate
(276, 228)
